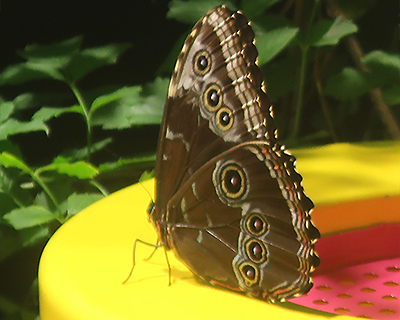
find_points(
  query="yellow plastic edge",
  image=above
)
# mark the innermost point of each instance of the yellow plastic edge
(85, 262)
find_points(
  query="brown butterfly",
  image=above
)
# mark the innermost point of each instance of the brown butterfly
(229, 201)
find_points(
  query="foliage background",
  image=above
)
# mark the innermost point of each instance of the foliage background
(79, 112)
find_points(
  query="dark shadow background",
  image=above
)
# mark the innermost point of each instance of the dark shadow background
(143, 24)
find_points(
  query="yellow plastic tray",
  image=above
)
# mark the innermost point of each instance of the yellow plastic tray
(84, 263)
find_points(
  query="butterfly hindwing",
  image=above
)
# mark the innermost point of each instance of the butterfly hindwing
(234, 217)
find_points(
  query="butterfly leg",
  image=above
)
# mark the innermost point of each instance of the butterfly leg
(155, 246)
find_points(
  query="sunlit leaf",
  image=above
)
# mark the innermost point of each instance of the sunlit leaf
(8, 160)
(28, 217)
(6, 109)
(77, 202)
(80, 169)
(22, 72)
(12, 127)
(132, 92)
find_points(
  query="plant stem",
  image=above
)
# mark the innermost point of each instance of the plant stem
(303, 69)
(85, 110)
(299, 102)
(99, 187)
(357, 53)
(41, 183)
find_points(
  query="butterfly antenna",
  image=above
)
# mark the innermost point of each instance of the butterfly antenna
(142, 178)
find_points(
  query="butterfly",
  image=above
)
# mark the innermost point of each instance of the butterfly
(229, 201)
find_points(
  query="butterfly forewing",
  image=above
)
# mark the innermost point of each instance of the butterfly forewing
(196, 122)
(229, 201)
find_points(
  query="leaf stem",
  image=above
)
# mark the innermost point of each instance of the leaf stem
(85, 110)
(299, 102)
(36, 177)
(101, 188)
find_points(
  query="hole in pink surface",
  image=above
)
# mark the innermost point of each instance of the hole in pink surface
(387, 311)
(370, 275)
(344, 296)
(323, 288)
(393, 269)
(365, 304)
(389, 298)
(320, 302)
(391, 283)
(368, 290)
(342, 310)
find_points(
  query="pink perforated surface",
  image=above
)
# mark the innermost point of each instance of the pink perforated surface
(369, 290)
(359, 274)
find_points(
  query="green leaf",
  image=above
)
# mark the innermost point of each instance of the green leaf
(392, 95)
(349, 84)
(8, 160)
(132, 92)
(6, 200)
(256, 8)
(130, 106)
(112, 166)
(93, 58)
(80, 169)
(34, 235)
(36, 100)
(77, 202)
(47, 113)
(270, 43)
(147, 175)
(327, 32)
(191, 11)
(83, 153)
(384, 65)
(152, 107)
(50, 67)
(58, 49)
(20, 73)
(12, 127)
(7, 146)
(6, 109)
(27, 217)
(279, 78)
(114, 111)
(60, 61)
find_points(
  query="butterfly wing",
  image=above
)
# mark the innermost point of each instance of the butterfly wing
(214, 100)
(228, 199)
(242, 221)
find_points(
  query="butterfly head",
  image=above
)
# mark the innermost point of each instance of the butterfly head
(158, 221)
